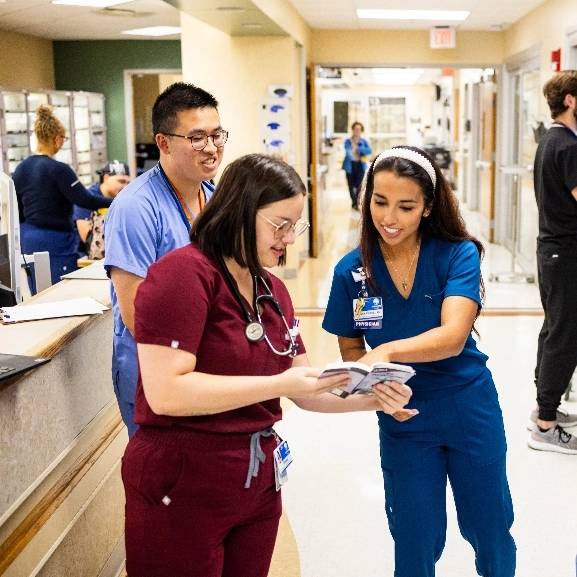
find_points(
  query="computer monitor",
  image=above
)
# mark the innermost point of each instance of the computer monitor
(10, 255)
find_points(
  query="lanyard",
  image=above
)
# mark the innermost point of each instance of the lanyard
(184, 211)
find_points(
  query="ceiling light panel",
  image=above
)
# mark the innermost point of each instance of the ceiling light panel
(442, 15)
(91, 3)
(154, 31)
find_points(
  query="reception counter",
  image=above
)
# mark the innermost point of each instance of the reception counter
(61, 441)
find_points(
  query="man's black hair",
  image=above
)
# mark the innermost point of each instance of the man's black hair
(176, 98)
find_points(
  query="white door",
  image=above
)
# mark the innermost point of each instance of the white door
(519, 209)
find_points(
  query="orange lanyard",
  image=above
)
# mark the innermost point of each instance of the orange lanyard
(187, 211)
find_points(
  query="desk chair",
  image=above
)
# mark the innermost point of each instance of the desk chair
(42, 277)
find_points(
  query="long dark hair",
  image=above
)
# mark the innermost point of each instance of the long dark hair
(444, 220)
(227, 225)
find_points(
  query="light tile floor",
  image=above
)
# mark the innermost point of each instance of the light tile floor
(334, 500)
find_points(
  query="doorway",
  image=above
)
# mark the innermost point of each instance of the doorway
(449, 112)
(141, 88)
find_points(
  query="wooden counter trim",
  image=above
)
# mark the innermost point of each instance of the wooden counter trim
(33, 522)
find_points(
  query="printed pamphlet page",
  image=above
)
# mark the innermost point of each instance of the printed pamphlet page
(363, 377)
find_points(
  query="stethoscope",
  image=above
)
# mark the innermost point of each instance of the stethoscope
(254, 330)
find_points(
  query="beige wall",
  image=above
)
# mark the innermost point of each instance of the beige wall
(545, 26)
(238, 71)
(404, 47)
(285, 15)
(26, 61)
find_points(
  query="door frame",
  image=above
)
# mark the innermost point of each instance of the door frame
(129, 109)
(569, 55)
(525, 61)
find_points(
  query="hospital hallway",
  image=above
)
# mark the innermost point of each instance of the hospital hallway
(334, 522)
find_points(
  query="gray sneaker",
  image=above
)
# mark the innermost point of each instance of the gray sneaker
(555, 439)
(564, 418)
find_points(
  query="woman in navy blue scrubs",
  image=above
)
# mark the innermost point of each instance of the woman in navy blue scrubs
(412, 291)
(47, 191)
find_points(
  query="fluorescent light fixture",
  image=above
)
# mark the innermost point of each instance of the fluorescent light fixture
(398, 76)
(92, 3)
(154, 31)
(443, 15)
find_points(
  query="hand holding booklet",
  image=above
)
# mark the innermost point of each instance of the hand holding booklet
(363, 377)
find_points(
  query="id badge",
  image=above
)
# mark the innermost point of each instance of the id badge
(282, 459)
(368, 313)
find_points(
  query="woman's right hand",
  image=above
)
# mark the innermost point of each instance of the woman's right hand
(303, 382)
(392, 398)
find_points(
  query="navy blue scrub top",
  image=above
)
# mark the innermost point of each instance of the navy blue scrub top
(444, 269)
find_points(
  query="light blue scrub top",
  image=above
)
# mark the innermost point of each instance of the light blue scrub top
(444, 269)
(144, 222)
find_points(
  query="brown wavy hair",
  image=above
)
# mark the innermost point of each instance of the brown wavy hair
(47, 126)
(444, 222)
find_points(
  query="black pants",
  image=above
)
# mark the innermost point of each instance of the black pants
(557, 344)
(354, 180)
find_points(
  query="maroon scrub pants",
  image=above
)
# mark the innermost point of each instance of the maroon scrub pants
(187, 511)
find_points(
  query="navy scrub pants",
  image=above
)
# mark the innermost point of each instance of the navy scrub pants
(355, 180)
(459, 437)
(188, 513)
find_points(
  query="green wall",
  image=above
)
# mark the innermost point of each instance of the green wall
(98, 66)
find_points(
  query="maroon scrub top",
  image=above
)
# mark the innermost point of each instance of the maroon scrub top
(184, 302)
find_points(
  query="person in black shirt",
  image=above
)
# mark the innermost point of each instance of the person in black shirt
(47, 191)
(555, 180)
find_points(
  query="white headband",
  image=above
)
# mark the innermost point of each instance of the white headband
(413, 156)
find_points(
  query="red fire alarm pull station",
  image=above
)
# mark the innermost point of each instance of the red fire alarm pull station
(556, 60)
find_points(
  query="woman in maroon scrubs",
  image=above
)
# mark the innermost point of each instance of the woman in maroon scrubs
(217, 347)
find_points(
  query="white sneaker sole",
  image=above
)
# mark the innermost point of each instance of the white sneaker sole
(542, 446)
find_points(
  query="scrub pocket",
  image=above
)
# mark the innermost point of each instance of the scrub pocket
(479, 413)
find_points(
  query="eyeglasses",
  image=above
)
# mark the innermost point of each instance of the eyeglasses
(200, 141)
(64, 137)
(282, 229)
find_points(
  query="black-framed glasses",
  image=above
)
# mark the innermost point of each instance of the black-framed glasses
(200, 141)
(282, 229)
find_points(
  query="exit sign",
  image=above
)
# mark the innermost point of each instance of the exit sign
(442, 37)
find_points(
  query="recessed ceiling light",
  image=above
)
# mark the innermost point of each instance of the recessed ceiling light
(396, 75)
(230, 9)
(414, 14)
(251, 25)
(154, 31)
(91, 3)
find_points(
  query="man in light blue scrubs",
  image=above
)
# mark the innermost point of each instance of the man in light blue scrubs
(154, 213)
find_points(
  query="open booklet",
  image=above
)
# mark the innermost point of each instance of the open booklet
(363, 377)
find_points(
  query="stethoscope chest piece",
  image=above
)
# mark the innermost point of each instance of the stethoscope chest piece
(254, 332)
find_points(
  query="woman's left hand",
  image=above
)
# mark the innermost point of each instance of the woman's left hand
(392, 399)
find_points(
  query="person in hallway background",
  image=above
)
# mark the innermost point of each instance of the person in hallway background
(419, 269)
(47, 191)
(357, 151)
(114, 176)
(155, 212)
(216, 350)
(555, 181)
